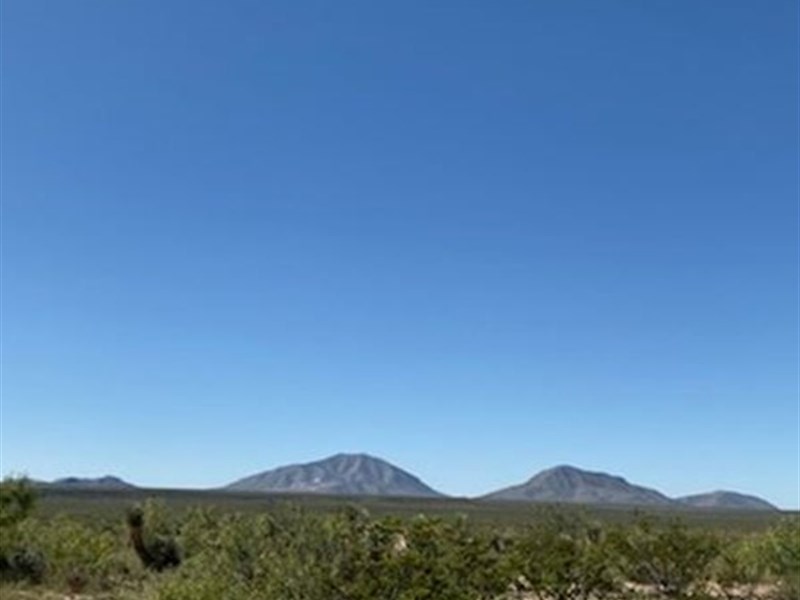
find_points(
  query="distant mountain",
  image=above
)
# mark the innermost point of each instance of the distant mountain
(107, 482)
(725, 499)
(573, 485)
(346, 474)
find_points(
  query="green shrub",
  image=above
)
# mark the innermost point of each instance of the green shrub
(567, 558)
(20, 559)
(781, 553)
(739, 567)
(23, 564)
(673, 559)
(17, 500)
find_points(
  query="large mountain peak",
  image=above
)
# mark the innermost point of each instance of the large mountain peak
(345, 474)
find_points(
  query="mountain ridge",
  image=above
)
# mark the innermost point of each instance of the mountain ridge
(572, 485)
(105, 482)
(361, 474)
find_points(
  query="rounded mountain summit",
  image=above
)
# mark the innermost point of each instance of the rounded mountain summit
(570, 484)
(341, 474)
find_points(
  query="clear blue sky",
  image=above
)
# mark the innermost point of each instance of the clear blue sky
(474, 238)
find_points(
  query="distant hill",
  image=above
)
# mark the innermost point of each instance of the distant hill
(107, 482)
(573, 485)
(725, 499)
(346, 474)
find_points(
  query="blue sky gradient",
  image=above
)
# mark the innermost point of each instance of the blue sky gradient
(474, 238)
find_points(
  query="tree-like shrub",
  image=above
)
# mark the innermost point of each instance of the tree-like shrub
(566, 557)
(739, 568)
(19, 559)
(671, 558)
(781, 553)
(17, 500)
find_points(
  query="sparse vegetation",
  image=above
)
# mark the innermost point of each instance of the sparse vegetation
(291, 552)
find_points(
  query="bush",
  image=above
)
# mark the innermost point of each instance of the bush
(674, 560)
(739, 568)
(20, 560)
(567, 558)
(781, 553)
(23, 564)
(17, 500)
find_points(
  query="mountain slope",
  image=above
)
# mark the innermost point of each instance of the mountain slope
(347, 474)
(726, 499)
(570, 484)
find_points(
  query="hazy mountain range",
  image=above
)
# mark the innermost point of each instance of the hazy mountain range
(107, 482)
(365, 475)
